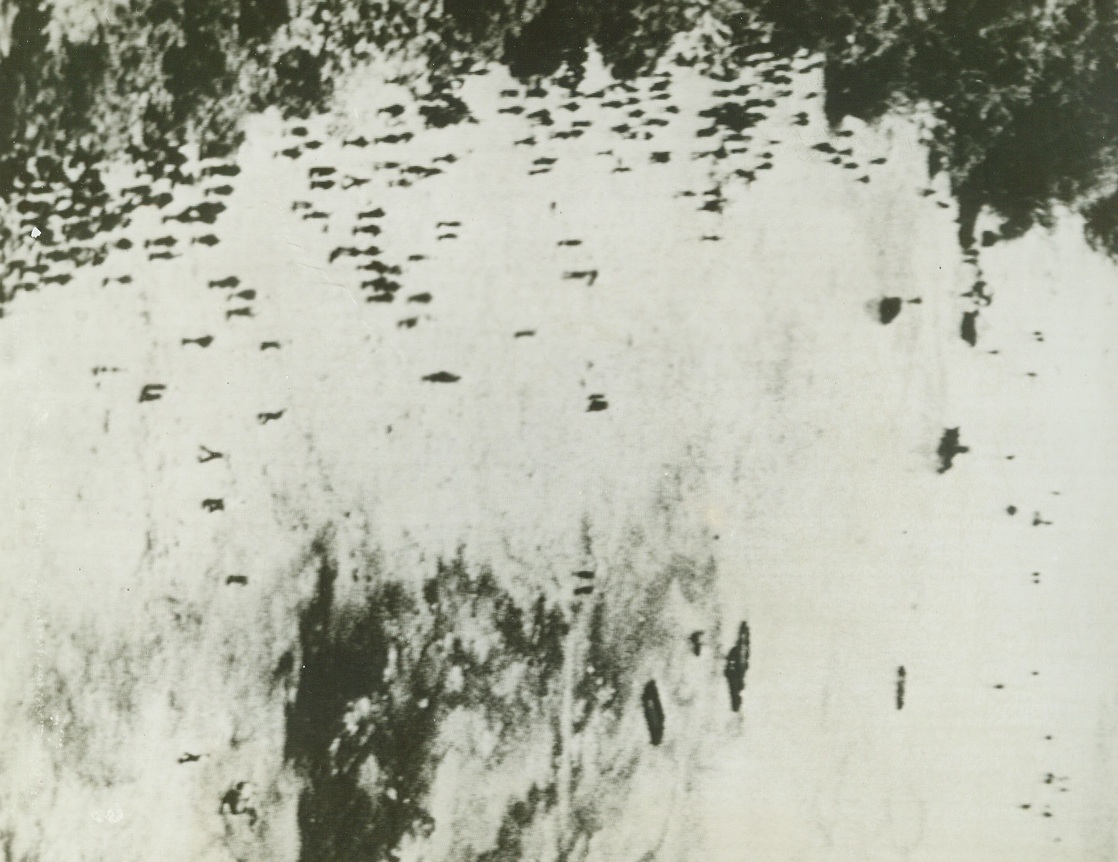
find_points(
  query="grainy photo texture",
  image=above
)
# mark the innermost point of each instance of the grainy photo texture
(558, 430)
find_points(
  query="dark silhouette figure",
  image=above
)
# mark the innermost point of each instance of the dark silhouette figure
(205, 213)
(236, 801)
(221, 171)
(152, 392)
(888, 309)
(591, 275)
(345, 251)
(969, 330)
(737, 663)
(948, 448)
(653, 712)
(381, 267)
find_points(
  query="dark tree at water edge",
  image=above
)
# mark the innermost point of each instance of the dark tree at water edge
(1024, 95)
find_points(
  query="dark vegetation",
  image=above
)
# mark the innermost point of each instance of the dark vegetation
(380, 667)
(377, 680)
